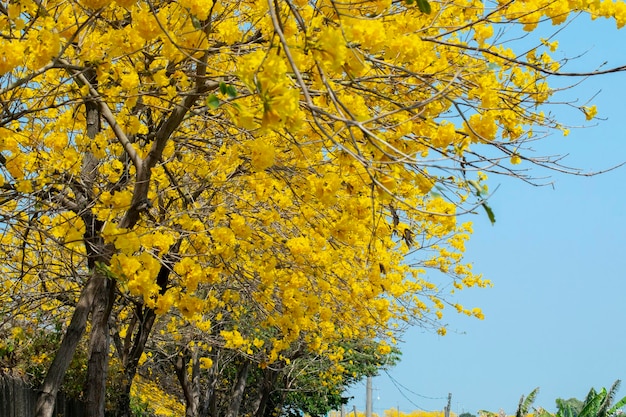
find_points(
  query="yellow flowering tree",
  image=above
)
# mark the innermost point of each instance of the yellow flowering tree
(280, 175)
(229, 372)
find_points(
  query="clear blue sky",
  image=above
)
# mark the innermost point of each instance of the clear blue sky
(556, 316)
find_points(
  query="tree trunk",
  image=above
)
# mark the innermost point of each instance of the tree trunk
(267, 387)
(209, 397)
(63, 357)
(95, 288)
(190, 386)
(130, 368)
(238, 390)
(98, 364)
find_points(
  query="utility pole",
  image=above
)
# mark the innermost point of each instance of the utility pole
(368, 397)
(446, 411)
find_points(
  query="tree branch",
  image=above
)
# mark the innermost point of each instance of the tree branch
(107, 114)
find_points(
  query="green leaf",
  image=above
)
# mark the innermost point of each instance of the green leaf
(478, 190)
(592, 403)
(490, 215)
(424, 6)
(223, 87)
(524, 403)
(105, 270)
(409, 2)
(196, 22)
(617, 406)
(213, 102)
(477, 187)
(438, 193)
(231, 91)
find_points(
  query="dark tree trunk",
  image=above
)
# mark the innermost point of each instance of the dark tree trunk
(190, 386)
(267, 387)
(238, 390)
(209, 400)
(146, 321)
(63, 357)
(98, 364)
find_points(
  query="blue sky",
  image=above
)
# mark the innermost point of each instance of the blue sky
(555, 318)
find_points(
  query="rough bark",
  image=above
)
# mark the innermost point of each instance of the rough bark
(190, 386)
(209, 398)
(238, 390)
(63, 357)
(98, 364)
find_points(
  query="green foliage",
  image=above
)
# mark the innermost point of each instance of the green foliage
(568, 408)
(600, 404)
(228, 90)
(526, 403)
(139, 408)
(213, 102)
(480, 192)
(27, 350)
(363, 359)
(596, 404)
(422, 5)
(316, 397)
(313, 406)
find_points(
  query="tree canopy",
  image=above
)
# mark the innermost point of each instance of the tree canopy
(237, 191)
